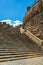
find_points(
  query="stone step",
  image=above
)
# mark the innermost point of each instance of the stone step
(8, 57)
(9, 53)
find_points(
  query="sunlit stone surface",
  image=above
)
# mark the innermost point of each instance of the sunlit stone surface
(32, 61)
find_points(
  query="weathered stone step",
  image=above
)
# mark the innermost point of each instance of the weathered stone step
(8, 53)
(4, 52)
(9, 57)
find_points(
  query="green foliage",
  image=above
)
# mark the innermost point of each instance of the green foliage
(18, 26)
(10, 26)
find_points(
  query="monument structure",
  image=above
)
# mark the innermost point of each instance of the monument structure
(33, 22)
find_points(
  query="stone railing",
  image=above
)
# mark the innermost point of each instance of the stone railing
(38, 41)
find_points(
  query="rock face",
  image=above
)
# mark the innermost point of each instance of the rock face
(33, 20)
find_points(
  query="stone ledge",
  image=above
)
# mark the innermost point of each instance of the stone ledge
(32, 37)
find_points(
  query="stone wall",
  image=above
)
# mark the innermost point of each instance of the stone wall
(3, 25)
(33, 20)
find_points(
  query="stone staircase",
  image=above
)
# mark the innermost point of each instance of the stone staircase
(11, 54)
(17, 46)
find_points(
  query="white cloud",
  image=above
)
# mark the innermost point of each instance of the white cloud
(15, 23)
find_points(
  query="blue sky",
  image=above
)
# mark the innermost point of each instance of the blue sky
(14, 9)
